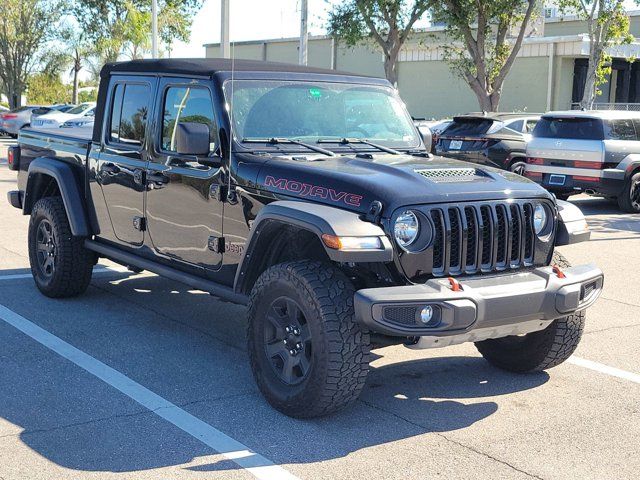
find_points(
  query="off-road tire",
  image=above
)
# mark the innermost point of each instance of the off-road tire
(625, 200)
(73, 264)
(340, 347)
(540, 350)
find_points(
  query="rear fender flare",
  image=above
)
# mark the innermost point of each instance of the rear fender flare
(67, 182)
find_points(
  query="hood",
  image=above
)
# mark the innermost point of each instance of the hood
(395, 180)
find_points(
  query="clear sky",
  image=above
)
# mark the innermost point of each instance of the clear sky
(252, 20)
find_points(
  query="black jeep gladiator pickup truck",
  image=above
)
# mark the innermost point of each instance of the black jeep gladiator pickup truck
(309, 196)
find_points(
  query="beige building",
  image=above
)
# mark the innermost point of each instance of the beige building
(547, 75)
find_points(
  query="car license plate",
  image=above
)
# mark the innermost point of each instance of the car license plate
(455, 144)
(557, 179)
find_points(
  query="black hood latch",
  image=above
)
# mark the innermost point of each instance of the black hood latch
(374, 212)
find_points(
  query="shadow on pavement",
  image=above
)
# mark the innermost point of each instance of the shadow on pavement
(78, 422)
(604, 215)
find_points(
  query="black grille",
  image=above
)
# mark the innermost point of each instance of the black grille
(482, 238)
(404, 315)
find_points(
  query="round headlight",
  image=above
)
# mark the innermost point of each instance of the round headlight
(406, 228)
(540, 219)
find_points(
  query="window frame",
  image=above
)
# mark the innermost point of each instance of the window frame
(107, 124)
(163, 98)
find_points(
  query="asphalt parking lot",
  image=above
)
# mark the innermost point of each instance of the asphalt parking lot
(142, 377)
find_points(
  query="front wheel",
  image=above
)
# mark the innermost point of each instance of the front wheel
(308, 355)
(518, 167)
(540, 350)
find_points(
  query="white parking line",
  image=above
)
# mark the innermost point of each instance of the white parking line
(254, 463)
(606, 369)
(19, 276)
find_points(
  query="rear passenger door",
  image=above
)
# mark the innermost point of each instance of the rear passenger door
(122, 159)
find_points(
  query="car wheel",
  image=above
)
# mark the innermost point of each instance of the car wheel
(60, 264)
(308, 355)
(629, 200)
(518, 167)
(540, 350)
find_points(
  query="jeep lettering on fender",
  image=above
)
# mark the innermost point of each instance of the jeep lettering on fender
(308, 190)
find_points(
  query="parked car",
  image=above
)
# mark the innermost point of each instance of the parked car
(597, 152)
(337, 243)
(493, 139)
(15, 120)
(54, 119)
(50, 108)
(84, 123)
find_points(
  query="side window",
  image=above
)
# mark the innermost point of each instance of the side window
(186, 104)
(129, 113)
(517, 125)
(622, 129)
(530, 125)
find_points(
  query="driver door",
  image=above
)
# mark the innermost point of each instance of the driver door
(184, 215)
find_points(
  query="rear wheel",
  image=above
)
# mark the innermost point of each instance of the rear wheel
(540, 350)
(629, 200)
(308, 355)
(60, 264)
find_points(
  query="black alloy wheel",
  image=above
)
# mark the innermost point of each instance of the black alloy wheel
(46, 248)
(287, 341)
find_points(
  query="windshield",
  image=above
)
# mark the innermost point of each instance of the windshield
(569, 128)
(79, 109)
(312, 111)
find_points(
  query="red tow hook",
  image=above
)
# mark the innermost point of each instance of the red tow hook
(455, 285)
(559, 273)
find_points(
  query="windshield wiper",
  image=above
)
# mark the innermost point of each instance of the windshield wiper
(292, 141)
(347, 141)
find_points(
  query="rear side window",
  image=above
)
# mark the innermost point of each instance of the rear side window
(531, 124)
(468, 127)
(186, 104)
(570, 128)
(129, 111)
(517, 125)
(622, 129)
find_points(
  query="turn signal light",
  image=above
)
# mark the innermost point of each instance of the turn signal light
(351, 243)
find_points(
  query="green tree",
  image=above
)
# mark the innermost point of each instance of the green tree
(387, 22)
(25, 27)
(122, 26)
(45, 88)
(607, 25)
(481, 51)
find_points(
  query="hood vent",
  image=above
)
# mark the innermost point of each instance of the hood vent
(449, 175)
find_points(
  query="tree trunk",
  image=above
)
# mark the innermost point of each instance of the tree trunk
(76, 82)
(488, 102)
(391, 69)
(589, 95)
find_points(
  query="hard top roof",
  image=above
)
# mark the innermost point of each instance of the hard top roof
(210, 66)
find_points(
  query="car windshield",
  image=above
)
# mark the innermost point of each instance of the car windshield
(79, 109)
(318, 111)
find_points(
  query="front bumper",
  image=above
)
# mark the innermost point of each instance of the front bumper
(487, 307)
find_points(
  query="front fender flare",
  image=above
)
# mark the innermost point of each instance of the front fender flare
(320, 220)
(67, 182)
(572, 226)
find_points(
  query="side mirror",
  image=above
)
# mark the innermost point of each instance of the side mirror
(192, 139)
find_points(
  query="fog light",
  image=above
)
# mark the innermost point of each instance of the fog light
(426, 315)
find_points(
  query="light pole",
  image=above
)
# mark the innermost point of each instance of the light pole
(225, 48)
(304, 32)
(154, 29)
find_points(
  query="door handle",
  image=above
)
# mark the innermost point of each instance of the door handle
(110, 168)
(157, 178)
